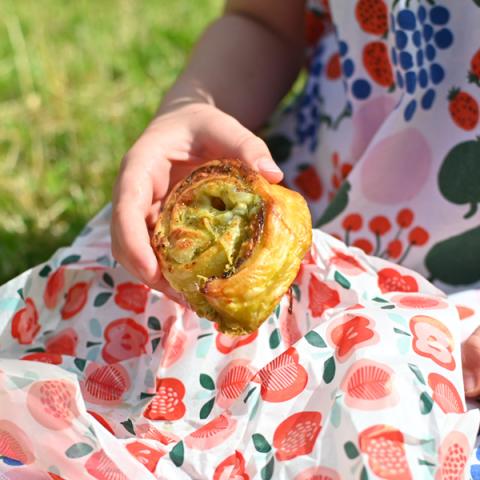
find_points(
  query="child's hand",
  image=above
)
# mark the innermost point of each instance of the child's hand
(471, 364)
(172, 145)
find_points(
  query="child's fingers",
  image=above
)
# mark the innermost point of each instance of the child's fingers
(471, 364)
(132, 202)
(229, 138)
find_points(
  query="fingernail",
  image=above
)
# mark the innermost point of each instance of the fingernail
(268, 165)
(469, 382)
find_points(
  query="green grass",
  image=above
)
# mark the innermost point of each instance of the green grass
(79, 81)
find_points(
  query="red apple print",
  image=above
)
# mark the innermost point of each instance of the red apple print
(334, 70)
(168, 402)
(101, 467)
(394, 248)
(232, 381)
(125, 338)
(289, 329)
(391, 280)
(463, 109)
(453, 455)
(148, 431)
(352, 222)
(405, 218)
(369, 385)
(445, 395)
(145, 454)
(372, 16)
(25, 326)
(226, 343)
(283, 378)
(321, 297)
(44, 357)
(418, 236)
(233, 467)
(53, 288)
(309, 182)
(377, 63)
(76, 299)
(132, 296)
(464, 312)
(364, 245)
(213, 433)
(296, 435)
(418, 301)
(351, 332)
(433, 340)
(173, 343)
(63, 343)
(14, 443)
(101, 420)
(380, 225)
(346, 263)
(54, 476)
(318, 473)
(52, 403)
(384, 446)
(106, 384)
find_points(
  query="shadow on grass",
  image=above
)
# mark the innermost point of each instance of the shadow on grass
(19, 252)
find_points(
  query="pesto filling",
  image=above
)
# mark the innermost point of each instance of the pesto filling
(217, 214)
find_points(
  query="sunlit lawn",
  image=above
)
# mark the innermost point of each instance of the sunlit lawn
(79, 80)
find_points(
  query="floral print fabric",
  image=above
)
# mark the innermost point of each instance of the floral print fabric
(356, 374)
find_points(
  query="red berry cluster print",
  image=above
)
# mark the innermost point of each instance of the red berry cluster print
(339, 174)
(379, 240)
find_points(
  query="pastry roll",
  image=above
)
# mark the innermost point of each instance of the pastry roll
(232, 243)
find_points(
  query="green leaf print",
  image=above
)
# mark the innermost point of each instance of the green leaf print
(177, 454)
(207, 382)
(260, 442)
(206, 409)
(364, 474)
(456, 261)
(336, 206)
(426, 403)
(329, 370)
(351, 450)
(78, 450)
(108, 280)
(314, 339)
(154, 323)
(417, 372)
(128, 425)
(458, 178)
(274, 340)
(267, 471)
(341, 280)
(101, 299)
(70, 259)
(44, 272)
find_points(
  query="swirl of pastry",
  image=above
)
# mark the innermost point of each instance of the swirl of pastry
(232, 243)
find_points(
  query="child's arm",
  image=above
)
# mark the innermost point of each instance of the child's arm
(240, 69)
(245, 62)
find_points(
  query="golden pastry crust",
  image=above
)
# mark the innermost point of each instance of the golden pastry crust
(232, 243)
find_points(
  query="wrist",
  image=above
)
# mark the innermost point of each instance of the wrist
(183, 93)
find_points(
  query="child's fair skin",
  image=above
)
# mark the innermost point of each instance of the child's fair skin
(240, 69)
